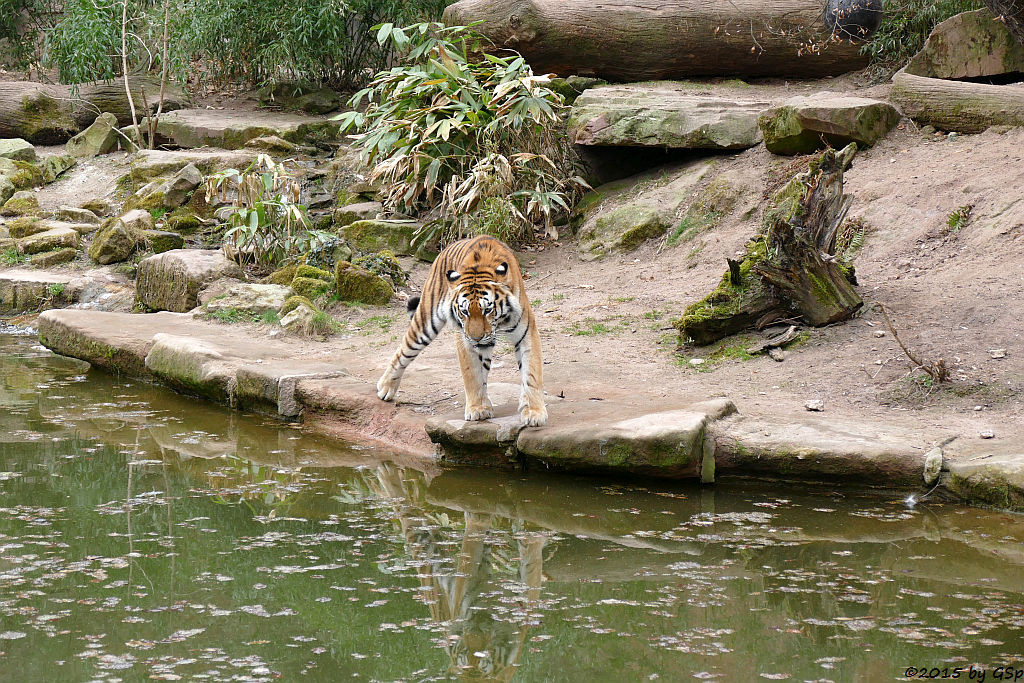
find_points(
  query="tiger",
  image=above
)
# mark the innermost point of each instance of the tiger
(477, 286)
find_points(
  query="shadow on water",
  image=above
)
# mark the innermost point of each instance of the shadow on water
(148, 535)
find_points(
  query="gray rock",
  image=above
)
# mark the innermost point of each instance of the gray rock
(7, 189)
(17, 149)
(26, 290)
(968, 45)
(251, 298)
(53, 166)
(361, 211)
(48, 259)
(75, 215)
(663, 115)
(163, 240)
(22, 203)
(369, 236)
(171, 281)
(299, 319)
(804, 124)
(615, 218)
(99, 138)
(48, 240)
(121, 237)
(177, 190)
(191, 128)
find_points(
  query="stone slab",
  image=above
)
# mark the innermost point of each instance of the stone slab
(191, 128)
(29, 290)
(825, 448)
(804, 124)
(665, 116)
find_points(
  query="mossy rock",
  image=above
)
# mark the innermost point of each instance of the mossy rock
(21, 204)
(182, 221)
(160, 241)
(354, 283)
(53, 166)
(117, 239)
(372, 236)
(293, 302)
(53, 258)
(24, 226)
(311, 287)
(572, 87)
(26, 175)
(384, 264)
(307, 271)
(148, 201)
(99, 207)
(281, 276)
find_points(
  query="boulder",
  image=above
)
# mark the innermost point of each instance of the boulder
(614, 218)
(7, 189)
(254, 299)
(49, 259)
(369, 236)
(23, 174)
(177, 190)
(17, 149)
(191, 128)
(162, 240)
(968, 45)
(99, 138)
(663, 115)
(48, 240)
(53, 166)
(101, 207)
(22, 203)
(361, 211)
(150, 164)
(74, 215)
(801, 125)
(354, 283)
(171, 281)
(301, 96)
(121, 237)
(25, 226)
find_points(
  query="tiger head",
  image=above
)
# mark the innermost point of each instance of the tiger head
(482, 302)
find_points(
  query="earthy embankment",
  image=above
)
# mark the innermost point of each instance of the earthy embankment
(598, 427)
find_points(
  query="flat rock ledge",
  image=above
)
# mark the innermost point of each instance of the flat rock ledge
(703, 441)
(661, 115)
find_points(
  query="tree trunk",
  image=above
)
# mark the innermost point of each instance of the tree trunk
(956, 105)
(48, 114)
(636, 40)
(790, 268)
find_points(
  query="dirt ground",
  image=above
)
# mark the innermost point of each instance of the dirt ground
(606, 325)
(953, 295)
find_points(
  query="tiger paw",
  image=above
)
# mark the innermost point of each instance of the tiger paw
(387, 387)
(474, 413)
(534, 417)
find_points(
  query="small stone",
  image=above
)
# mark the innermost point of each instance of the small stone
(879, 333)
(997, 353)
(987, 434)
(695, 362)
(815, 405)
(978, 409)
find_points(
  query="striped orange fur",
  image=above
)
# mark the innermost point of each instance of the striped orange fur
(476, 285)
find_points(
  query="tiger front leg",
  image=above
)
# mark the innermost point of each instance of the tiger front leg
(475, 363)
(531, 396)
(419, 335)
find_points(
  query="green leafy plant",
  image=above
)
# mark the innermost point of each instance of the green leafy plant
(267, 225)
(463, 137)
(958, 219)
(55, 289)
(11, 257)
(850, 238)
(906, 26)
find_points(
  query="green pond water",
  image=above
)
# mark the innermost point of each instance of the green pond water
(147, 535)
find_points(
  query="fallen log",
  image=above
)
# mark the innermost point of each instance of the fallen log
(790, 268)
(637, 40)
(49, 114)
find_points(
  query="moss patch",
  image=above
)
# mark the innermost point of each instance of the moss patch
(293, 302)
(354, 283)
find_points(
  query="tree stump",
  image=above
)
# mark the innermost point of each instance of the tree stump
(790, 268)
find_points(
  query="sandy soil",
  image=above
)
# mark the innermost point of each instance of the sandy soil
(607, 324)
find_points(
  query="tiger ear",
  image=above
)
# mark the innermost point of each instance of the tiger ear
(453, 275)
(502, 268)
